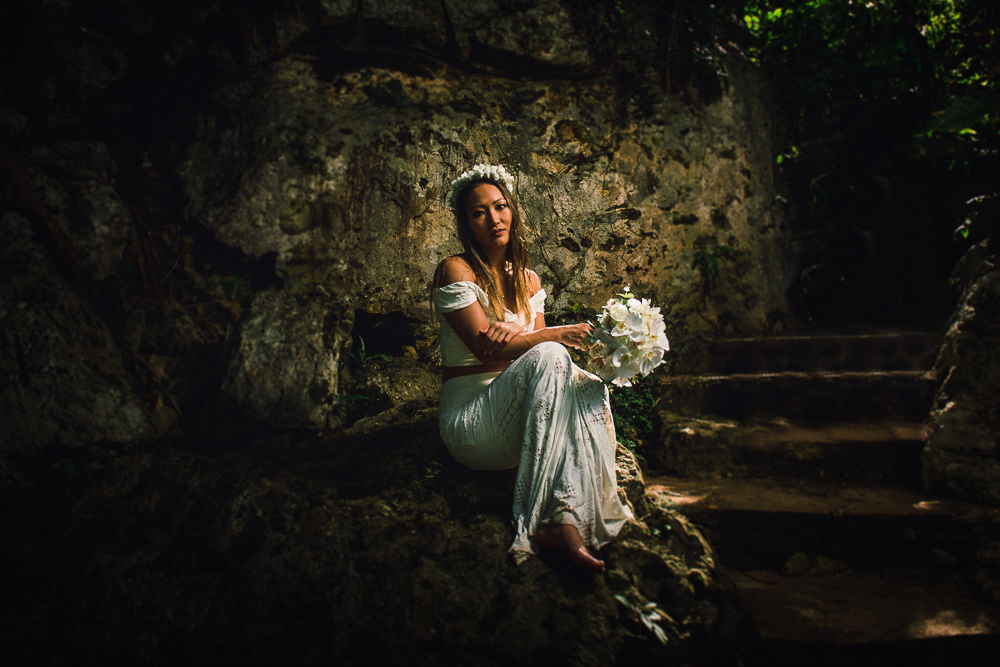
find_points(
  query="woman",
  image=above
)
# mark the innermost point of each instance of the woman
(511, 395)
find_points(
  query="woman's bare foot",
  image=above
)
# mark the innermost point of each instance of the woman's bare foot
(566, 538)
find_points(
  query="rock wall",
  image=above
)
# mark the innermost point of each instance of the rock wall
(64, 382)
(962, 455)
(317, 141)
(338, 163)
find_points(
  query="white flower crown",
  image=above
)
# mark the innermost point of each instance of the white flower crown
(497, 173)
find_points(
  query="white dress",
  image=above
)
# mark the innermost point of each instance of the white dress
(544, 415)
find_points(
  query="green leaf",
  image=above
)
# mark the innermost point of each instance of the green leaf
(621, 598)
(962, 113)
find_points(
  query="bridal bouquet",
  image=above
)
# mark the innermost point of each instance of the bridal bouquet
(628, 340)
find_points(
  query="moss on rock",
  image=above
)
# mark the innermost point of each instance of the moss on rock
(372, 547)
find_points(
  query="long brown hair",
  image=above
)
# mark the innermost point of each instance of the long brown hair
(515, 255)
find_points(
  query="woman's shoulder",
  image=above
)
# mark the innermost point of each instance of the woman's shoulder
(534, 284)
(453, 269)
(455, 286)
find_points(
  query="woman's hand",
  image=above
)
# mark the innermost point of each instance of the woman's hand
(574, 335)
(495, 337)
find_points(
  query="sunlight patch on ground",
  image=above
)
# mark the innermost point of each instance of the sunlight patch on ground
(669, 498)
(949, 623)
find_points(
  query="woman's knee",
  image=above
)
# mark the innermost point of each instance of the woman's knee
(552, 356)
(552, 351)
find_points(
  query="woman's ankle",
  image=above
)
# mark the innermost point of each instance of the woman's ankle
(566, 538)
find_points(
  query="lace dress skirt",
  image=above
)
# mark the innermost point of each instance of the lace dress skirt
(551, 420)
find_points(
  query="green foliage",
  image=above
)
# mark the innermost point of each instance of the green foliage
(583, 313)
(793, 154)
(633, 408)
(830, 58)
(963, 113)
(893, 135)
(649, 615)
(361, 354)
(981, 207)
(345, 405)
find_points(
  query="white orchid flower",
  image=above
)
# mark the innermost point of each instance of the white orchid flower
(625, 373)
(620, 330)
(597, 350)
(629, 339)
(650, 360)
(618, 312)
(622, 356)
(637, 327)
(607, 370)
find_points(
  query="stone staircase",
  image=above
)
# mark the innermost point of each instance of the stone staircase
(800, 458)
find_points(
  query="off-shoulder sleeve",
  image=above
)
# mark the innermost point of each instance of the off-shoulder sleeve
(537, 301)
(456, 296)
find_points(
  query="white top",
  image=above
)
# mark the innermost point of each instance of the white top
(464, 293)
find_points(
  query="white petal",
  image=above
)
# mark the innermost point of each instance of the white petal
(634, 321)
(622, 355)
(628, 370)
(618, 312)
(620, 330)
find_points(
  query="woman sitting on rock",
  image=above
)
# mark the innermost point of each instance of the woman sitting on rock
(511, 394)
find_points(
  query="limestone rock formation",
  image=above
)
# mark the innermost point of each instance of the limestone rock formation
(391, 383)
(342, 173)
(693, 447)
(64, 382)
(962, 455)
(75, 181)
(369, 548)
(631, 486)
(285, 370)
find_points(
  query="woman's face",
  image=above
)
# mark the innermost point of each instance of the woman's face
(489, 217)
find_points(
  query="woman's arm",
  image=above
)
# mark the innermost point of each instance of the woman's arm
(500, 341)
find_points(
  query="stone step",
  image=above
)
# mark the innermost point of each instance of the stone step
(763, 524)
(860, 452)
(885, 352)
(893, 351)
(804, 397)
(902, 606)
(822, 566)
(979, 650)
